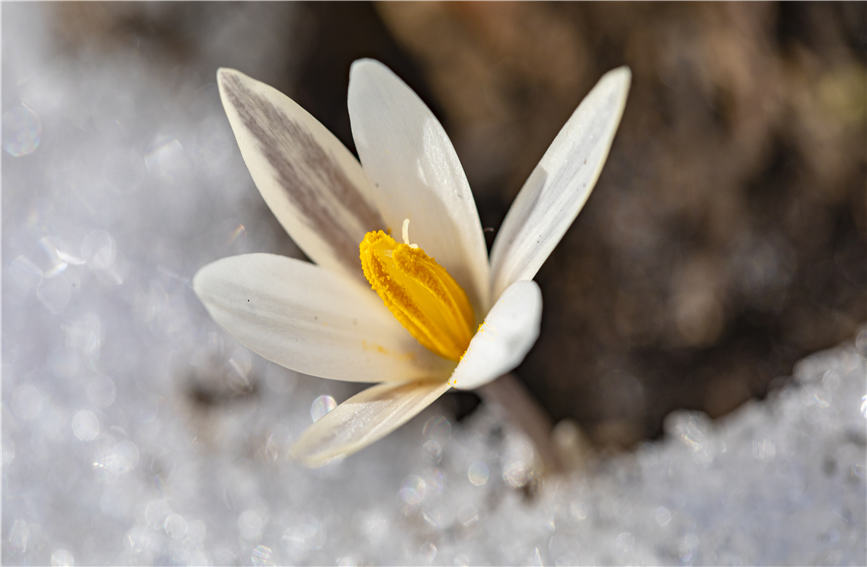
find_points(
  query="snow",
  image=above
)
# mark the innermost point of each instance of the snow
(135, 431)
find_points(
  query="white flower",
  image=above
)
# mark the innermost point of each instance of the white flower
(323, 319)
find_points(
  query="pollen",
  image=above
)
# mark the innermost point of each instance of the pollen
(419, 292)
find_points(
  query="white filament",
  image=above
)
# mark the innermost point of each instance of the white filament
(405, 233)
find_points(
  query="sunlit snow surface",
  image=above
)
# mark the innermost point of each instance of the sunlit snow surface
(120, 179)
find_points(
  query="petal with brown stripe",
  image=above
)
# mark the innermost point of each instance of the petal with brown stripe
(312, 183)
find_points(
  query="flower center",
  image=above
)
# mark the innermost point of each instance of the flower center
(420, 293)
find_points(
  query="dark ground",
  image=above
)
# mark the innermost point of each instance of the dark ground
(727, 236)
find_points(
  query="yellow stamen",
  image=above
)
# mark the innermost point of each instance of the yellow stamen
(419, 292)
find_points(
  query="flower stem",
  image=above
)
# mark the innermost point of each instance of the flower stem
(516, 404)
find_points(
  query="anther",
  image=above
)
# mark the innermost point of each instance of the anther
(419, 292)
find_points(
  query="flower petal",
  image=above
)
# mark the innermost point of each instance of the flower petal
(504, 339)
(364, 418)
(308, 319)
(313, 185)
(408, 155)
(559, 186)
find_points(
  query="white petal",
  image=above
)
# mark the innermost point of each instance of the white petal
(364, 418)
(313, 185)
(408, 155)
(311, 320)
(559, 186)
(509, 331)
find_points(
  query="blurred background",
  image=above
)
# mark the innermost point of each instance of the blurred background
(726, 238)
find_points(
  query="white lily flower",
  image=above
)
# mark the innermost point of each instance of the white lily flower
(445, 316)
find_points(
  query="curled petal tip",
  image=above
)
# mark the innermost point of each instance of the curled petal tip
(225, 76)
(365, 62)
(622, 74)
(225, 72)
(622, 70)
(368, 67)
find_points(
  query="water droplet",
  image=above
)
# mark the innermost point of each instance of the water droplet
(175, 526)
(414, 490)
(434, 450)
(662, 516)
(517, 473)
(262, 555)
(625, 541)
(687, 547)
(321, 406)
(22, 131)
(519, 461)
(155, 512)
(304, 535)
(438, 429)
(478, 473)
(85, 425)
(122, 458)
(168, 161)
